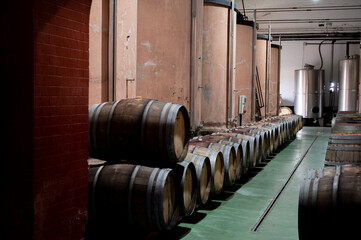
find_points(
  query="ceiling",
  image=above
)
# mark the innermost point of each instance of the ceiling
(307, 19)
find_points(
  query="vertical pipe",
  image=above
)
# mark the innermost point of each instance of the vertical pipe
(331, 76)
(193, 61)
(268, 69)
(253, 95)
(279, 78)
(112, 50)
(231, 65)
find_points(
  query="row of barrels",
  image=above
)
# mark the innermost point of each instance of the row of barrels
(330, 197)
(153, 174)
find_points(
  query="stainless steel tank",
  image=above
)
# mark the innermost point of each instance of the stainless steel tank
(309, 92)
(348, 80)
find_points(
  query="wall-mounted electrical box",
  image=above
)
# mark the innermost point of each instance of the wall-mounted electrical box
(242, 109)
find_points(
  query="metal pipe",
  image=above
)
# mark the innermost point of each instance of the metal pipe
(306, 9)
(231, 65)
(331, 73)
(268, 69)
(309, 20)
(332, 43)
(279, 78)
(253, 95)
(193, 61)
(112, 51)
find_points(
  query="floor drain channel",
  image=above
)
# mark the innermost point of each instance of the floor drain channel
(269, 207)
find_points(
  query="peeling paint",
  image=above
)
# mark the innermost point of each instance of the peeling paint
(150, 63)
(95, 28)
(147, 45)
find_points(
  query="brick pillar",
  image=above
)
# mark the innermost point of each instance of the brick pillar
(47, 83)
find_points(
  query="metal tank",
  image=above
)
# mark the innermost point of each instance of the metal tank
(309, 92)
(348, 84)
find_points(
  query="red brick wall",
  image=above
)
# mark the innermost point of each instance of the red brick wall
(61, 78)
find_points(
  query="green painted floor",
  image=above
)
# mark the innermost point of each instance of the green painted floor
(234, 214)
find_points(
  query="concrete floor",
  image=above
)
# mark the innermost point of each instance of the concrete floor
(235, 213)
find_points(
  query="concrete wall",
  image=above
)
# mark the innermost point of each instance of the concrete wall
(126, 49)
(98, 51)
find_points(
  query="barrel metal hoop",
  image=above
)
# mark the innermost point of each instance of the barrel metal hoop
(109, 127)
(130, 193)
(306, 190)
(149, 194)
(161, 124)
(144, 118)
(158, 197)
(208, 151)
(340, 148)
(311, 173)
(96, 176)
(320, 172)
(336, 180)
(314, 191)
(95, 145)
(301, 201)
(195, 150)
(170, 123)
(90, 140)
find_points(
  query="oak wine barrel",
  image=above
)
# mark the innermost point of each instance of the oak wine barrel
(133, 195)
(188, 188)
(229, 156)
(203, 171)
(252, 147)
(328, 207)
(343, 149)
(134, 129)
(217, 166)
(329, 171)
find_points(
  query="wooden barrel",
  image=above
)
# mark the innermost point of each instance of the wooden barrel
(242, 156)
(329, 171)
(265, 141)
(203, 171)
(125, 194)
(328, 207)
(217, 166)
(229, 155)
(259, 144)
(270, 134)
(134, 129)
(347, 123)
(343, 149)
(252, 146)
(274, 136)
(278, 133)
(275, 130)
(93, 162)
(283, 136)
(246, 151)
(188, 188)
